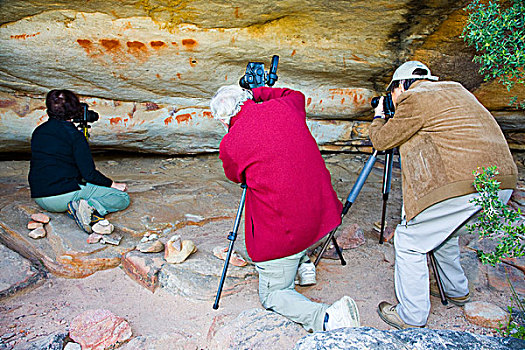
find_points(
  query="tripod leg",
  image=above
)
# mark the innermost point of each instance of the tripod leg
(330, 238)
(358, 185)
(438, 279)
(231, 237)
(387, 179)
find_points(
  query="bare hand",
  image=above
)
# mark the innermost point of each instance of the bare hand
(119, 186)
(378, 111)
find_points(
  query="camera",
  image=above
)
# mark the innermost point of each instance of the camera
(84, 118)
(388, 104)
(255, 75)
(87, 116)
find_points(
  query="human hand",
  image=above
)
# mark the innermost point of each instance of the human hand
(119, 186)
(378, 111)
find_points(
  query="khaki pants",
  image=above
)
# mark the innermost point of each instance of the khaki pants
(277, 292)
(435, 228)
(104, 199)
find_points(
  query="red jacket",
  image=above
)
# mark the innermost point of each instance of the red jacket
(290, 202)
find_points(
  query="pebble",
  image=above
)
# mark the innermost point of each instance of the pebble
(151, 247)
(94, 238)
(72, 346)
(40, 217)
(31, 225)
(37, 233)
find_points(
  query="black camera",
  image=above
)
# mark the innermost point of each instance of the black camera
(256, 76)
(87, 116)
(84, 118)
(388, 104)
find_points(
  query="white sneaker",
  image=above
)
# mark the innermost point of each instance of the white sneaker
(306, 274)
(342, 313)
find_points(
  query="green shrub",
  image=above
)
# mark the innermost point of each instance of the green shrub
(500, 223)
(496, 30)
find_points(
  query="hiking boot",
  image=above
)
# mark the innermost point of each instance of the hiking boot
(342, 313)
(81, 212)
(388, 313)
(458, 301)
(306, 274)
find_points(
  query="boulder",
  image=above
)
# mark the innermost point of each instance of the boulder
(257, 329)
(99, 330)
(365, 338)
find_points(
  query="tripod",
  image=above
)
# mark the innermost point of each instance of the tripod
(354, 192)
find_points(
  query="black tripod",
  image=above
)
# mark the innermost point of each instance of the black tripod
(354, 192)
(231, 237)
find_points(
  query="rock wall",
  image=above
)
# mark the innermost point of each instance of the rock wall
(149, 67)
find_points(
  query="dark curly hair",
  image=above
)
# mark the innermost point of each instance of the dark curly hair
(62, 104)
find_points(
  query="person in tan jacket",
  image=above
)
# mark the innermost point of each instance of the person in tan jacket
(443, 134)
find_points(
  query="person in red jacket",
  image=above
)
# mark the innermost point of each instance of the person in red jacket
(290, 201)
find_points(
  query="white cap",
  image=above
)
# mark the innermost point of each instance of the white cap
(405, 71)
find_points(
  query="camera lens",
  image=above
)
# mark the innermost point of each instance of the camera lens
(374, 102)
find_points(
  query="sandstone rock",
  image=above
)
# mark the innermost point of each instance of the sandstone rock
(177, 250)
(351, 237)
(143, 268)
(485, 314)
(31, 225)
(365, 338)
(156, 93)
(113, 239)
(99, 329)
(40, 217)
(37, 233)
(258, 329)
(103, 227)
(72, 346)
(16, 272)
(176, 340)
(94, 238)
(198, 277)
(151, 246)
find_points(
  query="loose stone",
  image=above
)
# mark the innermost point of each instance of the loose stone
(40, 217)
(31, 225)
(151, 247)
(37, 233)
(485, 314)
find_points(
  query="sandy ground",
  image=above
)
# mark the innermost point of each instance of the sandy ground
(368, 278)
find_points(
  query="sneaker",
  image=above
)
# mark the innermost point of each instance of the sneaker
(342, 313)
(306, 274)
(96, 217)
(458, 301)
(388, 313)
(81, 211)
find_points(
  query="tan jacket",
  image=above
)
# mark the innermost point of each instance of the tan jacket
(443, 134)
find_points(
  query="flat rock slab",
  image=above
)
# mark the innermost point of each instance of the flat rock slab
(257, 329)
(16, 272)
(365, 338)
(485, 314)
(64, 251)
(198, 277)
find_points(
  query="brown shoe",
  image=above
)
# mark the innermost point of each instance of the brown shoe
(458, 301)
(388, 313)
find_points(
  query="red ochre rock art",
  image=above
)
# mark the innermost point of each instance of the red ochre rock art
(189, 44)
(110, 44)
(157, 44)
(24, 36)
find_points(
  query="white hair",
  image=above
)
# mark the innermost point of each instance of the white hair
(228, 101)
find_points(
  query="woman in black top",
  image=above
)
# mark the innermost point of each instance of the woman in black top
(62, 173)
